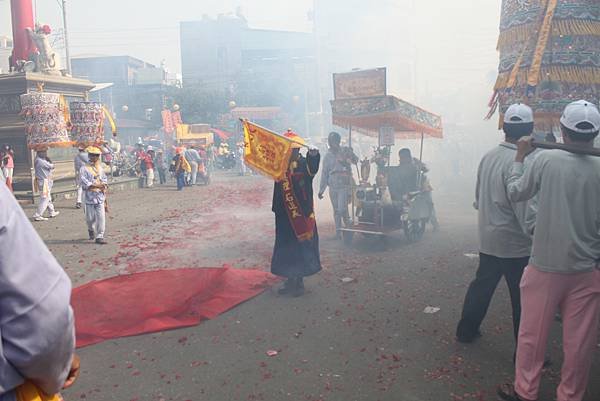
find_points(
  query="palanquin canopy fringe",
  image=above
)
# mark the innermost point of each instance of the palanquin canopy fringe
(549, 57)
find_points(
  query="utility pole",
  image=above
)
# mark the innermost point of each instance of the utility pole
(66, 36)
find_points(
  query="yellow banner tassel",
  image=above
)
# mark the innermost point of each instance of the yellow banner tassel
(566, 74)
(111, 121)
(534, 72)
(521, 33)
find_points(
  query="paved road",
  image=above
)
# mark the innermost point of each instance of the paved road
(367, 340)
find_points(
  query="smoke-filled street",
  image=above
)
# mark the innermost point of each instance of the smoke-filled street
(308, 200)
(359, 333)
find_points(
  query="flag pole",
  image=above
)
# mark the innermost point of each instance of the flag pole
(244, 120)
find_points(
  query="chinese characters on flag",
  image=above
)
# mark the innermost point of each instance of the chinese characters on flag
(266, 151)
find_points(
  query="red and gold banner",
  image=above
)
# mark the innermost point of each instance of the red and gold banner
(303, 226)
(167, 118)
(176, 118)
(266, 151)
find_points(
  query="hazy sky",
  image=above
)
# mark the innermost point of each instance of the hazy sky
(455, 41)
(149, 29)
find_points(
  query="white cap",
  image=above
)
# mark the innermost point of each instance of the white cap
(578, 112)
(518, 113)
(149, 148)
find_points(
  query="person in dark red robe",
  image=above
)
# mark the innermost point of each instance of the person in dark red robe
(296, 252)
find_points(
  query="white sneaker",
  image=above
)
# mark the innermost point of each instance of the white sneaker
(54, 213)
(39, 218)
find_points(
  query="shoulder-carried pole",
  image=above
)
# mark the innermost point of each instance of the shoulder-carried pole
(568, 148)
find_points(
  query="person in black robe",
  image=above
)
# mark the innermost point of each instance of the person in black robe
(295, 258)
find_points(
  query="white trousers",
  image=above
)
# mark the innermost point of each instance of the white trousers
(95, 217)
(79, 193)
(149, 177)
(79, 189)
(45, 201)
(194, 172)
(8, 173)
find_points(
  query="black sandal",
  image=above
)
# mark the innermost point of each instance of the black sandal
(507, 393)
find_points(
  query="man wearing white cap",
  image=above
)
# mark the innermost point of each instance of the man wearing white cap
(95, 183)
(505, 242)
(564, 270)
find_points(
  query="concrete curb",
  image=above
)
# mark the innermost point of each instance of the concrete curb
(63, 191)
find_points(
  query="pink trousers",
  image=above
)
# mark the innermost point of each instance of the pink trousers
(578, 298)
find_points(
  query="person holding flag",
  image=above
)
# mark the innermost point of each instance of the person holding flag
(296, 251)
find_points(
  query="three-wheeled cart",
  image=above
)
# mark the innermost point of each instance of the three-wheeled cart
(384, 206)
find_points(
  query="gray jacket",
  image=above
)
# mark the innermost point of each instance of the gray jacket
(43, 168)
(505, 226)
(335, 172)
(567, 230)
(36, 321)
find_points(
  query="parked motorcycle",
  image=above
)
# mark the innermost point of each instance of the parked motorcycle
(415, 215)
(226, 162)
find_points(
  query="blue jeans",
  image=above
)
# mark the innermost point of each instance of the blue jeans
(180, 181)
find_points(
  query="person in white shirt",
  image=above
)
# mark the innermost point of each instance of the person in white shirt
(43, 177)
(505, 241)
(95, 184)
(564, 270)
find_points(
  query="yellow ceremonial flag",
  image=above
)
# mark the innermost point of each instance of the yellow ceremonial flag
(266, 151)
(182, 131)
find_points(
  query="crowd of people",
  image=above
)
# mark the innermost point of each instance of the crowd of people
(91, 179)
(539, 228)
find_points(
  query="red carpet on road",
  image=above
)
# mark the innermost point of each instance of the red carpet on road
(160, 300)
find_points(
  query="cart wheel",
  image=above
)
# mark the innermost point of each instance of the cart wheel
(347, 236)
(414, 230)
(407, 231)
(382, 243)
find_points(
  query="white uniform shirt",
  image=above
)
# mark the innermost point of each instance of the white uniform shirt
(43, 168)
(334, 172)
(91, 175)
(504, 226)
(36, 321)
(567, 233)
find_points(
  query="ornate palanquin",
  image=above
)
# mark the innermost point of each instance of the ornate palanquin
(549, 56)
(368, 114)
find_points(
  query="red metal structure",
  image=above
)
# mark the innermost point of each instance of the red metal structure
(22, 18)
